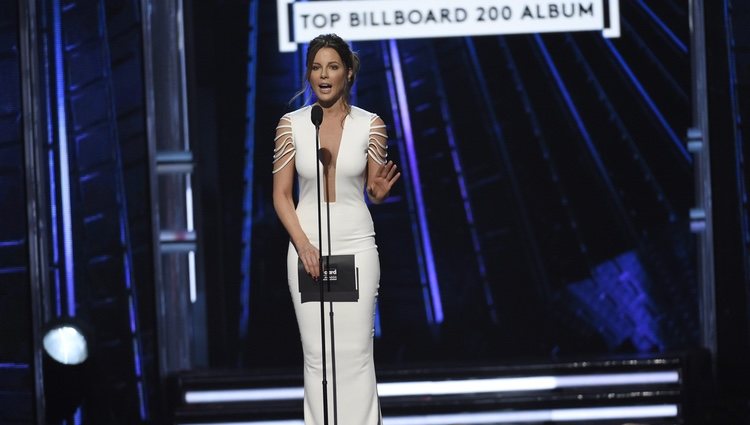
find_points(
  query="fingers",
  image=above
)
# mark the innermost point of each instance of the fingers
(310, 257)
(382, 170)
(312, 266)
(394, 179)
(391, 171)
(392, 174)
(386, 168)
(384, 180)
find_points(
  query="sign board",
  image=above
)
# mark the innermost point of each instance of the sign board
(358, 20)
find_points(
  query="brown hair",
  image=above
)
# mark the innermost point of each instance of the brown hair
(350, 59)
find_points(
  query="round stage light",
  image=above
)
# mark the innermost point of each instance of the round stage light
(66, 366)
(66, 344)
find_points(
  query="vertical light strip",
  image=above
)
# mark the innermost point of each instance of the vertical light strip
(437, 304)
(54, 228)
(407, 185)
(190, 227)
(247, 201)
(186, 142)
(62, 140)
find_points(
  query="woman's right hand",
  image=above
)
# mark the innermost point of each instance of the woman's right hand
(310, 257)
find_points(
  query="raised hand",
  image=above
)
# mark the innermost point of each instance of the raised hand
(381, 183)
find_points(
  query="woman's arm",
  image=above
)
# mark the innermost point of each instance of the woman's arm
(283, 202)
(381, 173)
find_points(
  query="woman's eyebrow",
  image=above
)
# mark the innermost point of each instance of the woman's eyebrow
(328, 63)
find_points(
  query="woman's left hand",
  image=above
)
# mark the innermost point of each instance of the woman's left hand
(380, 185)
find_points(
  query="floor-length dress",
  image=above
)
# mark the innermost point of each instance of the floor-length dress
(352, 232)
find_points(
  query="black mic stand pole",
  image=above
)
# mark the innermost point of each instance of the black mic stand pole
(320, 265)
(330, 302)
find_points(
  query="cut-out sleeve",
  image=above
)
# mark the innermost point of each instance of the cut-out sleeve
(284, 149)
(377, 144)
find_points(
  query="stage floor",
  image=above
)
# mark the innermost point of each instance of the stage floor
(637, 390)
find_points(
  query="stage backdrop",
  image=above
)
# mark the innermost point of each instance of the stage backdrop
(543, 207)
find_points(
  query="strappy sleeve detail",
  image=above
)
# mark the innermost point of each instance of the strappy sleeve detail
(377, 148)
(284, 149)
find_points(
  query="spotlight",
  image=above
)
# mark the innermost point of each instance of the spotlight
(66, 343)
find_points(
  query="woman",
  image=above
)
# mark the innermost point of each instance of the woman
(353, 142)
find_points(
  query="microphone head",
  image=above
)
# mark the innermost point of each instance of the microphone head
(316, 115)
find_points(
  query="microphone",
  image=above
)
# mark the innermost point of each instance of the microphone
(316, 115)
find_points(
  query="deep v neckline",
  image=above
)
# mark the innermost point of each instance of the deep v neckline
(335, 159)
(334, 163)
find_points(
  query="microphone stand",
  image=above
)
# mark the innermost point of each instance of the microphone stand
(322, 276)
(317, 120)
(330, 302)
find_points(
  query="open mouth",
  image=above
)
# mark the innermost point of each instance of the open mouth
(325, 87)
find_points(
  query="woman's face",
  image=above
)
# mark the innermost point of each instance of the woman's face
(328, 76)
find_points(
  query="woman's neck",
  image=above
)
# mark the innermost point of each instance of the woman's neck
(335, 110)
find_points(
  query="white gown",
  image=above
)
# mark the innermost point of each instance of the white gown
(352, 232)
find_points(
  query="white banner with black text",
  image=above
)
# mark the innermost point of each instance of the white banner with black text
(358, 20)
